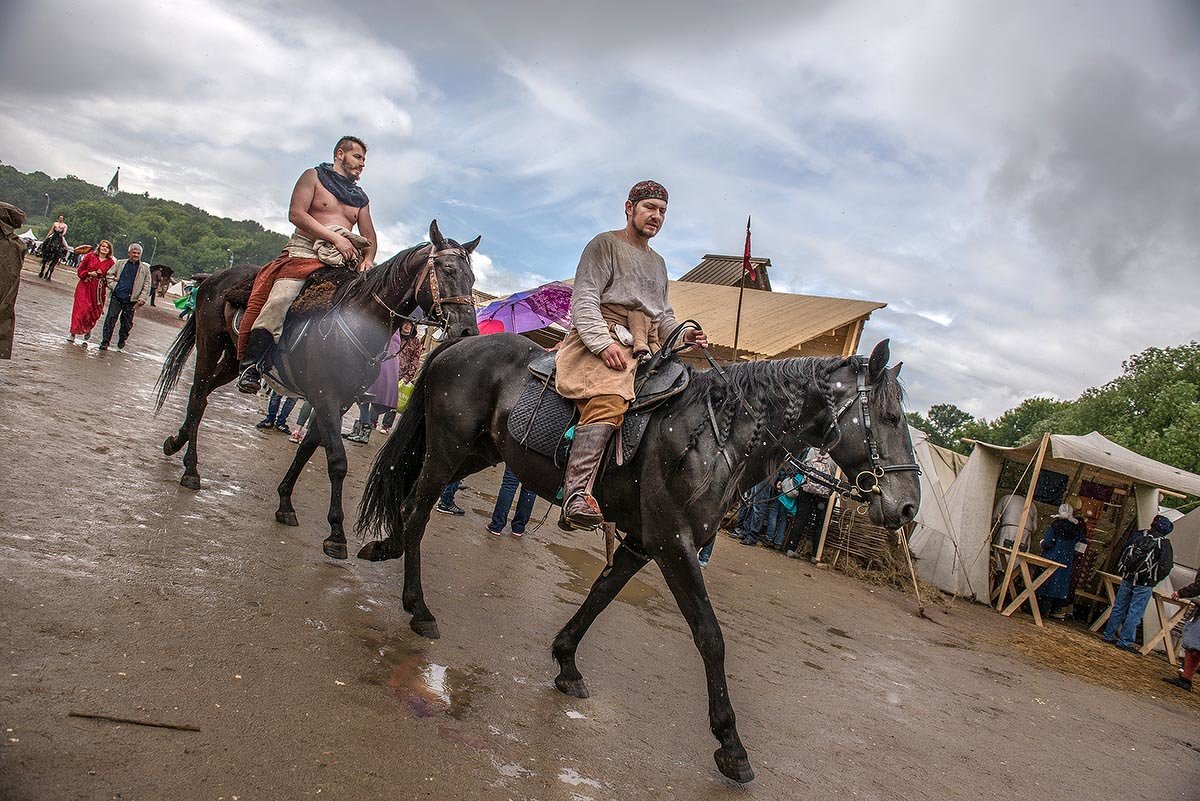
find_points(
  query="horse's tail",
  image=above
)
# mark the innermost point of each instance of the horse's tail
(174, 363)
(396, 467)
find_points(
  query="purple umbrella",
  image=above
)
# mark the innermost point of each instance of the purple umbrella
(531, 309)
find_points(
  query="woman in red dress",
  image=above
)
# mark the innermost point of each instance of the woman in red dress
(91, 290)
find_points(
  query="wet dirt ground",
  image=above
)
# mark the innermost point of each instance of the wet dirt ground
(124, 594)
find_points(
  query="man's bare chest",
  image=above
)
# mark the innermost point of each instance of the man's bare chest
(326, 208)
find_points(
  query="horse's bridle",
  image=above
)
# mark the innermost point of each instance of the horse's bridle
(867, 481)
(428, 273)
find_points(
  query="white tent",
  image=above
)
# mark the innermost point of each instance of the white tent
(953, 553)
(28, 237)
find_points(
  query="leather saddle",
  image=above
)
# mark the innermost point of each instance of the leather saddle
(541, 417)
(315, 298)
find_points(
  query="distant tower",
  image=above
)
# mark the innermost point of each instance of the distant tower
(112, 188)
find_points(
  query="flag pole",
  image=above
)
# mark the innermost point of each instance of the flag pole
(737, 325)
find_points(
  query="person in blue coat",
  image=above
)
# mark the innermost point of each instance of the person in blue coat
(1058, 544)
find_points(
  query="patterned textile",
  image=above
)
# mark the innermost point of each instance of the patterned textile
(541, 417)
(647, 190)
(346, 190)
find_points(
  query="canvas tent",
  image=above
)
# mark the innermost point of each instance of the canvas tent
(954, 553)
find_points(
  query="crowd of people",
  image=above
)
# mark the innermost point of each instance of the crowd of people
(785, 512)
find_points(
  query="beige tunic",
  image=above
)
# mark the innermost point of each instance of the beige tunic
(617, 276)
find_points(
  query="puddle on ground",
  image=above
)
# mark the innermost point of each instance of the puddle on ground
(428, 688)
(586, 566)
(838, 633)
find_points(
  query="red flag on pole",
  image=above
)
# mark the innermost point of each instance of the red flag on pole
(747, 267)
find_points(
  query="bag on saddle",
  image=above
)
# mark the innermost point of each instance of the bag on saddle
(1139, 560)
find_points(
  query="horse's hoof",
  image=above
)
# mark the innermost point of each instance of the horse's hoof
(572, 687)
(169, 446)
(332, 548)
(736, 768)
(377, 551)
(287, 518)
(190, 482)
(426, 628)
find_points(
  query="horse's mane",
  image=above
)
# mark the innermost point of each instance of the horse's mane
(768, 385)
(384, 277)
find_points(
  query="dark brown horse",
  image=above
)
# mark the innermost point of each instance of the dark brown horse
(723, 434)
(54, 250)
(336, 359)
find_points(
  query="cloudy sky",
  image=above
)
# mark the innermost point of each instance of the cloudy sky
(1019, 181)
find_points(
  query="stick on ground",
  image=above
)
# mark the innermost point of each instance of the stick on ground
(92, 716)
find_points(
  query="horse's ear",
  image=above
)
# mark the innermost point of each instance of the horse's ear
(435, 236)
(896, 369)
(470, 246)
(879, 360)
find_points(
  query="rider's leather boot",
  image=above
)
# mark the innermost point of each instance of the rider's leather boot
(579, 509)
(250, 381)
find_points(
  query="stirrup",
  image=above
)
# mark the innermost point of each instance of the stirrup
(250, 381)
(575, 524)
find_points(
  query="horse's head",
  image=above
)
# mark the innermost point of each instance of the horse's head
(444, 288)
(870, 439)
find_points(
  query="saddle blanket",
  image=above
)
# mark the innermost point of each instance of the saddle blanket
(542, 417)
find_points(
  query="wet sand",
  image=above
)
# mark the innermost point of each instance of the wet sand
(124, 594)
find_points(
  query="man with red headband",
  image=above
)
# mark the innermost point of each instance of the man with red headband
(619, 314)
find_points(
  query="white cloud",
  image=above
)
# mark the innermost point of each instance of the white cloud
(1020, 182)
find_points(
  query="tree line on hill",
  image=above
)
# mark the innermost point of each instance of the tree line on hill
(1152, 408)
(184, 237)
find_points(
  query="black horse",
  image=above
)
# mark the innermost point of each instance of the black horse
(332, 363)
(54, 250)
(723, 434)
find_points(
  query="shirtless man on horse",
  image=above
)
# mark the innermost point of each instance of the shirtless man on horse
(326, 205)
(619, 313)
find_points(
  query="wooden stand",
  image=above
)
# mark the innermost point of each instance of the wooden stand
(1167, 622)
(1020, 564)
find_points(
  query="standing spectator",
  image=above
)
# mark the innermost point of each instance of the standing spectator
(508, 488)
(446, 504)
(1190, 640)
(1058, 545)
(302, 422)
(130, 283)
(706, 553)
(783, 511)
(811, 505)
(1146, 560)
(278, 409)
(91, 291)
(382, 395)
(12, 253)
(753, 512)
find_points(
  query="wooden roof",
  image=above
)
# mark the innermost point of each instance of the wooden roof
(773, 323)
(727, 271)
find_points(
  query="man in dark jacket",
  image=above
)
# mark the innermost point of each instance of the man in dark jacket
(1146, 560)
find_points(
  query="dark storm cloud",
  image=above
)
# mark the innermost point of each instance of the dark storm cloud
(1109, 177)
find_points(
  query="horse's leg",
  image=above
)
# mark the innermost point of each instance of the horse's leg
(604, 589)
(208, 377)
(415, 517)
(328, 418)
(682, 572)
(286, 513)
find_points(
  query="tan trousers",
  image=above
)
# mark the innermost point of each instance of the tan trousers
(606, 409)
(273, 312)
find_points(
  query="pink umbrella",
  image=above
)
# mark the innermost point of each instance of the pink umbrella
(529, 310)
